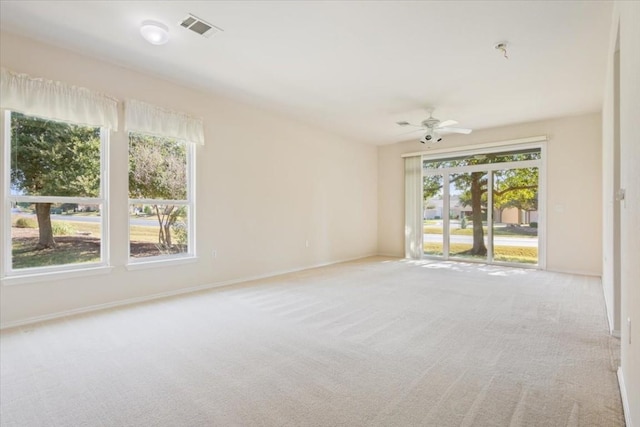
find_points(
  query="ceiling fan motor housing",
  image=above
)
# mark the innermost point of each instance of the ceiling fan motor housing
(430, 122)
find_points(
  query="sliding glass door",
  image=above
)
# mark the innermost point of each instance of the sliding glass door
(483, 206)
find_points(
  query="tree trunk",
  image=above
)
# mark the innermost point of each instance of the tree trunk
(43, 212)
(476, 205)
(171, 218)
(165, 220)
(161, 239)
(167, 234)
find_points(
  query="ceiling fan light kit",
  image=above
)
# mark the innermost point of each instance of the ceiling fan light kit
(431, 136)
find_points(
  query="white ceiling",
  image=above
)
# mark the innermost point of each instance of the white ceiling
(354, 68)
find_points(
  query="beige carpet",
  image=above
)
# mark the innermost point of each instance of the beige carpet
(376, 342)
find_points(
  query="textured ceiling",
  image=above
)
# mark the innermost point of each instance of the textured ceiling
(354, 68)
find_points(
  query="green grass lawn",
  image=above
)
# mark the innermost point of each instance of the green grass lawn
(498, 231)
(80, 214)
(73, 249)
(68, 252)
(80, 245)
(139, 233)
(516, 254)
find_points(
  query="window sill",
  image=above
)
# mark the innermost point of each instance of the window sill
(54, 275)
(164, 262)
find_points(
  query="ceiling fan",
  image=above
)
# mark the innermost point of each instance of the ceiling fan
(435, 128)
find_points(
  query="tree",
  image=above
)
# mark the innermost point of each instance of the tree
(513, 186)
(158, 170)
(50, 158)
(516, 188)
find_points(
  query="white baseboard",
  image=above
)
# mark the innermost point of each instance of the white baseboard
(577, 272)
(390, 255)
(608, 313)
(625, 399)
(129, 301)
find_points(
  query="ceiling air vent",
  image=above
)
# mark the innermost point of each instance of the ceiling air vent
(199, 26)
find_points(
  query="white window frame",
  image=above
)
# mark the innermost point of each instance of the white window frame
(189, 202)
(15, 276)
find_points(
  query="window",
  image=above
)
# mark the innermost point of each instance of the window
(54, 182)
(160, 197)
(161, 181)
(54, 176)
(56, 191)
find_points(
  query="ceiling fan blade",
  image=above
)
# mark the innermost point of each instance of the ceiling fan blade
(411, 131)
(455, 130)
(403, 123)
(447, 123)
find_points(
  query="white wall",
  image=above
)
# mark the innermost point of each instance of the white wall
(626, 16)
(265, 185)
(573, 188)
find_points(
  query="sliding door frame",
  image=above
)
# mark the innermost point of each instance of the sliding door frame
(490, 168)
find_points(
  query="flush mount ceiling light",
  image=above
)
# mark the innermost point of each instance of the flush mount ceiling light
(154, 32)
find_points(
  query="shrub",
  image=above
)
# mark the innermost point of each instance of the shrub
(533, 224)
(463, 222)
(69, 207)
(61, 228)
(26, 223)
(179, 230)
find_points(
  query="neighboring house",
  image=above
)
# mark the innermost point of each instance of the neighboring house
(515, 216)
(434, 210)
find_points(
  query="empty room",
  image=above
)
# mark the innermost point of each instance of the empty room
(320, 213)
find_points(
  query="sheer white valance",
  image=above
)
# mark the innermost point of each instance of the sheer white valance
(146, 118)
(56, 100)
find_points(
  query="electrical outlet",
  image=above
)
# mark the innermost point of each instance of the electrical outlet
(214, 254)
(306, 244)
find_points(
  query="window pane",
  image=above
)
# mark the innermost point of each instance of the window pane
(432, 214)
(157, 168)
(50, 158)
(158, 230)
(483, 159)
(468, 215)
(515, 215)
(71, 237)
